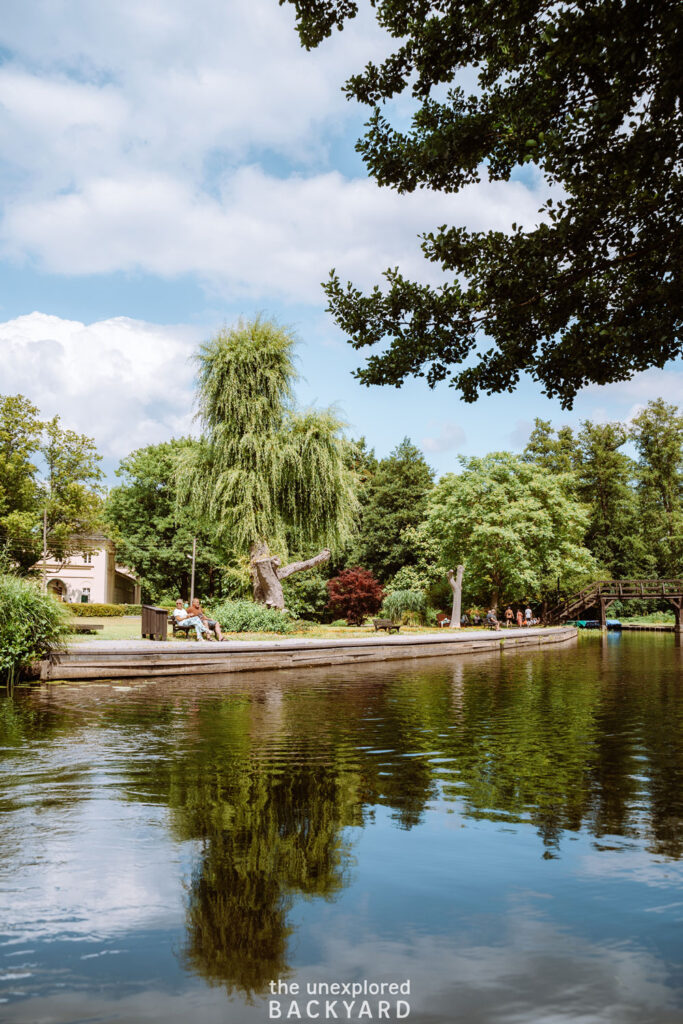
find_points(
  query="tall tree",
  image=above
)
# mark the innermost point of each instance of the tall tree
(515, 528)
(44, 468)
(393, 499)
(20, 436)
(72, 492)
(589, 93)
(555, 451)
(658, 435)
(153, 531)
(268, 475)
(606, 478)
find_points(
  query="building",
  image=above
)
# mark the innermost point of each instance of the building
(91, 575)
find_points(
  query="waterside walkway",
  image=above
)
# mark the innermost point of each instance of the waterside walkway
(126, 659)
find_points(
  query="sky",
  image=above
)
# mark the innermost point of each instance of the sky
(169, 166)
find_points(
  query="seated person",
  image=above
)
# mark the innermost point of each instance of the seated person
(491, 620)
(212, 624)
(185, 621)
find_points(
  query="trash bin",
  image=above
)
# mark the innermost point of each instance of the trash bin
(154, 622)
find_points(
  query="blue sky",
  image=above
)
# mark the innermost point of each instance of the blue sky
(169, 166)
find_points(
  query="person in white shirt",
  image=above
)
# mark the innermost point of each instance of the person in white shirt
(185, 621)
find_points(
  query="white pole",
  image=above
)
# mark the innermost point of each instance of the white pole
(194, 558)
(44, 584)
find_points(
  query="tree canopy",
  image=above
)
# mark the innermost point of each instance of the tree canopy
(590, 94)
(267, 474)
(153, 532)
(393, 499)
(44, 467)
(514, 527)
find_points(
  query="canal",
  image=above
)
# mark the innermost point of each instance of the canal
(490, 838)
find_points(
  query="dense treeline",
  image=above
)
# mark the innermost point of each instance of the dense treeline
(605, 500)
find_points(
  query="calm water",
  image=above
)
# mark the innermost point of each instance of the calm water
(503, 833)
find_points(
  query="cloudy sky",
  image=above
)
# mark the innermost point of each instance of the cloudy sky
(168, 166)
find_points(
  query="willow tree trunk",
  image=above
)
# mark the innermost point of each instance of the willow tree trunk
(455, 580)
(267, 573)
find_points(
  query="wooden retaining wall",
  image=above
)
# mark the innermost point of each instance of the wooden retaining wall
(125, 659)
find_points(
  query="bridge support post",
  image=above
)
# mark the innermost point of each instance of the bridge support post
(677, 602)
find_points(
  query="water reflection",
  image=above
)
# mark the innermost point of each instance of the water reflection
(247, 821)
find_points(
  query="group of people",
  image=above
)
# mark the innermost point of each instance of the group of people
(196, 618)
(522, 618)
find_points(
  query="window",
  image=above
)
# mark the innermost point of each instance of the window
(87, 557)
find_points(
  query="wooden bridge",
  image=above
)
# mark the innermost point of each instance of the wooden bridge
(604, 593)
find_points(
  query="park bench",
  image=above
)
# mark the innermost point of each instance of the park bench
(442, 619)
(181, 631)
(386, 624)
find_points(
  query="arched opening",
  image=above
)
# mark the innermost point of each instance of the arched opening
(57, 589)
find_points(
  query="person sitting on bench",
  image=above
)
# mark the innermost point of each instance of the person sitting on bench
(188, 622)
(211, 624)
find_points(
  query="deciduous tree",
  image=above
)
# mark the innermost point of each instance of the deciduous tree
(589, 94)
(268, 475)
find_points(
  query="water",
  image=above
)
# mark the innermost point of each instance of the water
(502, 835)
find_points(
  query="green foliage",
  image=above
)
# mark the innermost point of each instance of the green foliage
(95, 610)
(556, 452)
(248, 617)
(514, 527)
(589, 94)
(264, 472)
(32, 626)
(393, 499)
(68, 489)
(306, 595)
(605, 485)
(405, 605)
(153, 530)
(658, 435)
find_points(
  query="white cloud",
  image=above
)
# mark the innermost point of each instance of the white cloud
(132, 135)
(450, 437)
(123, 382)
(262, 236)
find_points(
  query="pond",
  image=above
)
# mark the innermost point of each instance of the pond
(491, 838)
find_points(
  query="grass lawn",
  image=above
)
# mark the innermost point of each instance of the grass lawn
(127, 627)
(664, 618)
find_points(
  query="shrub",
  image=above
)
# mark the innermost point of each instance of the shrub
(306, 595)
(249, 617)
(354, 593)
(32, 626)
(405, 606)
(100, 610)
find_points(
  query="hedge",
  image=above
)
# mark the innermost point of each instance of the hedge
(103, 610)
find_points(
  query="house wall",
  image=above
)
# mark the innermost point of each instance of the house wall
(92, 574)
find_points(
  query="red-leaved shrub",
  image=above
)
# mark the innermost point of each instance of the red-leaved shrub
(354, 593)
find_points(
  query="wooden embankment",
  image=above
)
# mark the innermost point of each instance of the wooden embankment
(126, 659)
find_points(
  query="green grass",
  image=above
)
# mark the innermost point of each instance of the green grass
(127, 627)
(665, 618)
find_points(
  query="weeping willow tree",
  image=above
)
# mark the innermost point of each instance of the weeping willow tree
(272, 478)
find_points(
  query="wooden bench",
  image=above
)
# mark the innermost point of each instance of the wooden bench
(85, 627)
(386, 624)
(179, 631)
(442, 619)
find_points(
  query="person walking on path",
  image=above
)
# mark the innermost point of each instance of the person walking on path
(520, 618)
(527, 615)
(509, 615)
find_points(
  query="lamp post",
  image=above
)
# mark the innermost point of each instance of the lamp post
(44, 575)
(194, 559)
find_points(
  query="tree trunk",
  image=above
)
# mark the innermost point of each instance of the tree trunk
(455, 580)
(267, 574)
